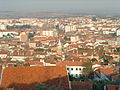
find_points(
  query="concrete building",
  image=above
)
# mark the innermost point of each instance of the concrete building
(3, 27)
(74, 38)
(75, 71)
(70, 28)
(118, 32)
(49, 33)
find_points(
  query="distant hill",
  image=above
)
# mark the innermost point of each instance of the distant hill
(13, 14)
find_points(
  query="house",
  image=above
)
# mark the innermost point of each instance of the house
(74, 38)
(3, 54)
(4, 45)
(32, 44)
(75, 71)
(74, 68)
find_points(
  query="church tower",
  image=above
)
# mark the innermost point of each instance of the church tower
(59, 48)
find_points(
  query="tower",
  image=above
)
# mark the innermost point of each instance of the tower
(23, 37)
(59, 48)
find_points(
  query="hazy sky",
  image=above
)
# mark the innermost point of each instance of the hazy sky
(61, 5)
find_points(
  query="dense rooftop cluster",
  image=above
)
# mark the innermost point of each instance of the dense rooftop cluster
(64, 42)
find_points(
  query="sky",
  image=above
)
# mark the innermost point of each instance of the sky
(61, 5)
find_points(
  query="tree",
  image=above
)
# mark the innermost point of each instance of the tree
(44, 87)
(99, 85)
(66, 38)
(40, 49)
(101, 53)
(118, 49)
(26, 64)
(88, 71)
(94, 60)
(41, 87)
(106, 59)
(55, 88)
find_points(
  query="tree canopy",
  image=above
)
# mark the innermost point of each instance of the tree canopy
(88, 68)
(44, 87)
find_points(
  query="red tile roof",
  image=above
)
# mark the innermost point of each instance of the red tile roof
(109, 71)
(3, 52)
(32, 62)
(69, 63)
(112, 87)
(24, 77)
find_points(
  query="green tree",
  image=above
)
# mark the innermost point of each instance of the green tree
(26, 64)
(88, 71)
(44, 87)
(66, 38)
(40, 87)
(99, 85)
(39, 49)
(101, 51)
(118, 49)
(55, 88)
(106, 59)
(94, 60)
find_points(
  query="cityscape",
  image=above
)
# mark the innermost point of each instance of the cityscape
(59, 51)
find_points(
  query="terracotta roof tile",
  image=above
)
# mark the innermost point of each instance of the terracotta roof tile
(69, 63)
(24, 77)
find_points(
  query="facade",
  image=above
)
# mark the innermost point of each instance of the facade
(112, 43)
(118, 41)
(3, 27)
(59, 48)
(74, 38)
(118, 33)
(75, 71)
(70, 28)
(32, 44)
(23, 37)
(49, 33)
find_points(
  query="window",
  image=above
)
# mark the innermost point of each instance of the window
(67, 68)
(71, 68)
(80, 69)
(72, 75)
(76, 75)
(76, 68)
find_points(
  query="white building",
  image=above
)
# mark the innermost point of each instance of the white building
(32, 44)
(118, 41)
(75, 71)
(70, 28)
(118, 32)
(3, 55)
(49, 33)
(112, 43)
(3, 27)
(2, 33)
(74, 38)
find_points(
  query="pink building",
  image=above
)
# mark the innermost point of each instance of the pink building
(23, 37)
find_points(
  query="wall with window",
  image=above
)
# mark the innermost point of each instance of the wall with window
(75, 71)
